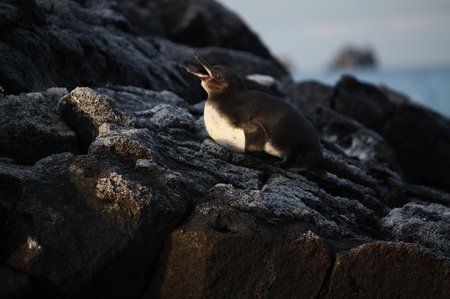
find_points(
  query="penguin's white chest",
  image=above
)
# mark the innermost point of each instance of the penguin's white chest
(222, 131)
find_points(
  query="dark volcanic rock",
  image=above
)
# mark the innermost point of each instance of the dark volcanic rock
(86, 111)
(420, 137)
(68, 220)
(31, 127)
(427, 224)
(206, 23)
(62, 43)
(77, 218)
(342, 132)
(67, 43)
(226, 251)
(124, 195)
(14, 284)
(389, 270)
(364, 102)
(308, 94)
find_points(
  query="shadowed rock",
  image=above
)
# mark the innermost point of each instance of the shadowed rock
(93, 214)
(149, 166)
(393, 266)
(92, 43)
(419, 137)
(31, 127)
(225, 251)
(207, 23)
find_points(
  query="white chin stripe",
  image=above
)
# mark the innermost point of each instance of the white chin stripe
(205, 86)
(221, 130)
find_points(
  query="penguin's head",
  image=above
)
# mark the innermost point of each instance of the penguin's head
(217, 79)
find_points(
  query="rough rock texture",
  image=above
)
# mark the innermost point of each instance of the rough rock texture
(253, 258)
(389, 270)
(419, 137)
(128, 197)
(252, 229)
(69, 43)
(84, 106)
(196, 23)
(426, 224)
(77, 218)
(31, 127)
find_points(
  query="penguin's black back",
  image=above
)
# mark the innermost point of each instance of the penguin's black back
(285, 125)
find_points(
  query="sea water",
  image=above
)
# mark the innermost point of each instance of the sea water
(427, 86)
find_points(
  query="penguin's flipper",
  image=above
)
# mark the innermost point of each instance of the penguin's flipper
(255, 136)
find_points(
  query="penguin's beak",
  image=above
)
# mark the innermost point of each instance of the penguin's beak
(203, 63)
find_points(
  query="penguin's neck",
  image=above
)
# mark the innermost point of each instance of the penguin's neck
(225, 95)
(217, 99)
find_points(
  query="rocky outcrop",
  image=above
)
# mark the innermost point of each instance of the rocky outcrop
(76, 219)
(153, 201)
(393, 266)
(419, 137)
(206, 23)
(351, 57)
(115, 190)
(31, 127)
(92, 43)
(259, 263)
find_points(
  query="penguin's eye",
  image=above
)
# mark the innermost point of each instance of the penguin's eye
(217, 76)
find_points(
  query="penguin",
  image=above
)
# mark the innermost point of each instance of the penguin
(255, 122)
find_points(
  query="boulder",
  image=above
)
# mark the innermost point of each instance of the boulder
(351, 57)
(86, 111)
(425, 224)
(418, 138)
(363, 102)
(389, 270)
(306, 95)
(31, 127)
(226, 252)
(63, 43)
(207, 23)
(92, 43)
(80, 224)
(421, 139)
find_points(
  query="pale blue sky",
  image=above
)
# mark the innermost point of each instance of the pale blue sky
(404, 33)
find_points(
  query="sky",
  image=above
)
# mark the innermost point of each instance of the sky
(308, 33)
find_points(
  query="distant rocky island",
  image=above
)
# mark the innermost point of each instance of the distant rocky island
(352, 57)
(111, 188)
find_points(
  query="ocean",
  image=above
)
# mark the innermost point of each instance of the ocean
(427, 86)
